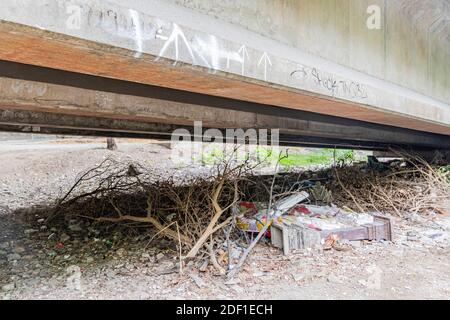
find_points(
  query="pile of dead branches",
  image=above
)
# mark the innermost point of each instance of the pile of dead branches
(188, 211)
(196, 213)
(412, 186)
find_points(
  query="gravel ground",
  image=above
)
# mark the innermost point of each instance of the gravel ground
(40, 262)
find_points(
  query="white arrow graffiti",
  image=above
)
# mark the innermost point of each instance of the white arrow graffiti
(243, 52)
(176, 34)
(159, 35)
(266, 59)
(137, 32)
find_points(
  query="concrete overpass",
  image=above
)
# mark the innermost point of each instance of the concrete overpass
(323, 72)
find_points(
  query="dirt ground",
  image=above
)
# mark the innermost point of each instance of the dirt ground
(34, 265)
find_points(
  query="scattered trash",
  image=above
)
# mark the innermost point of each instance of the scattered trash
(253, 216)
(374, 164)
(59, 245)
(298, 226)
(330, 241)
(306, 231)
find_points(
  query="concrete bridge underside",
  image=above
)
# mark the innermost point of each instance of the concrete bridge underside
(144, 68)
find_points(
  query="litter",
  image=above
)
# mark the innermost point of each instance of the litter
(308, 232)
(299, 226)
(252, 216)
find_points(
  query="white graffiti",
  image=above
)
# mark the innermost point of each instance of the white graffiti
(233, 56)
(329, 82)
(216, 54)
(266, 59)
(244, 53)
(202, 48)
(160, 36)
(174, 38)
(137, 30)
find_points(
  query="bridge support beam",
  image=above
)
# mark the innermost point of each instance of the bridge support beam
(57, 101)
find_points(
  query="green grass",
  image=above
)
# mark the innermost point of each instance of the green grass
(319, 157)
(298, 160)
(294, 157)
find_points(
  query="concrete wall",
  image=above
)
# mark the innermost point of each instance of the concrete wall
(411, 49)
(316, 56)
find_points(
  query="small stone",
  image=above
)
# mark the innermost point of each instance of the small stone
(121, 252)
(4, 245)
(52, 253)
(89, 259)
(204, 266)
(64, 237)
(52, 236)
(363, 283)
(94, 231)
(257, 273)
(333, 279)
(298, 276)
(159, 256)
(130, 266)
(13, 256)
(75, 228)
(235, 253)
(232, 282)
(3, 253)
(19, 250)
(8, 287)
(30, 231)
(110, 274)
(198, 281)
(237, 289)
(356, 243)
(435, 235)
(412, 236)
(41, 220)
